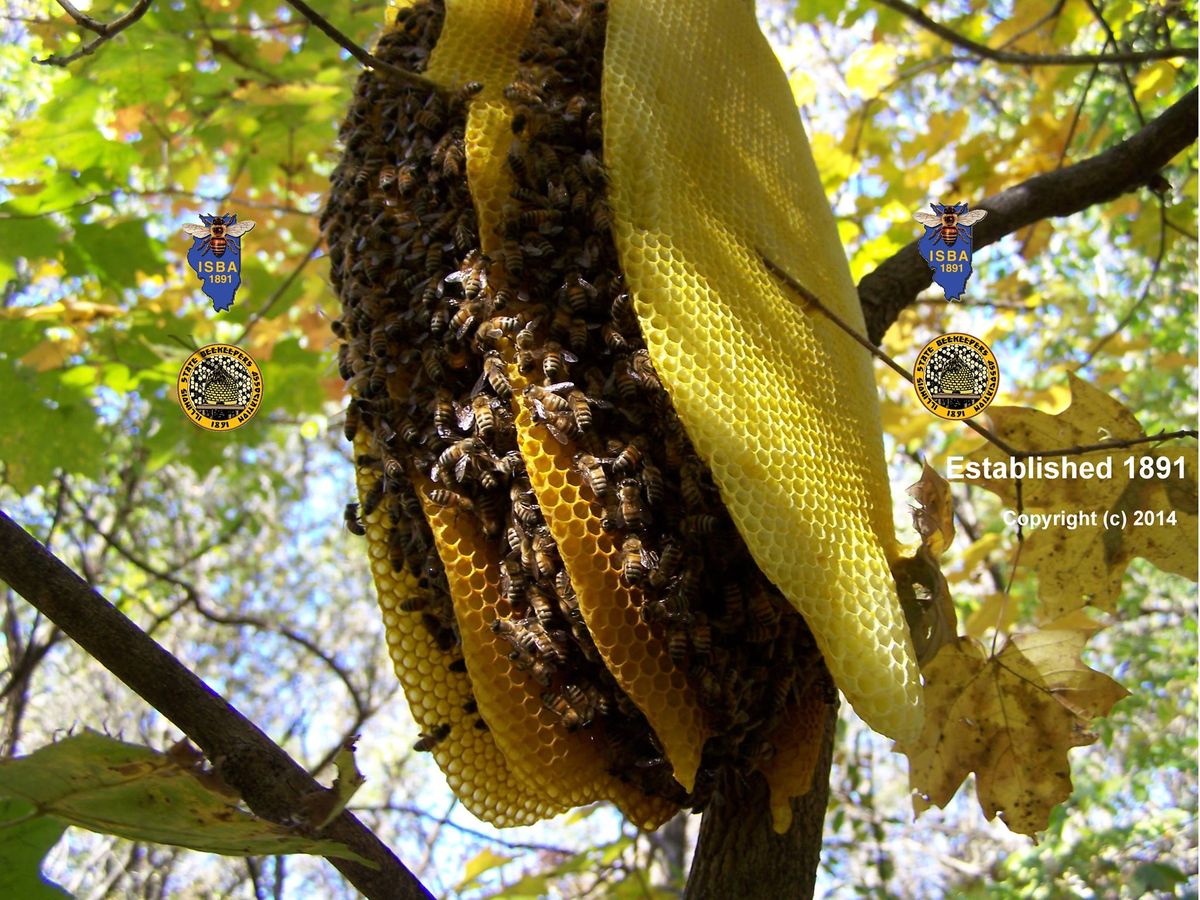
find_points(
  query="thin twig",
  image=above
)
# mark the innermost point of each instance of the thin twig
(105, 31)
(419, 813)
(409, 79)
(985, 433)
(1031, 59)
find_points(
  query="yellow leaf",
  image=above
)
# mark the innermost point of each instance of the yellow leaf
(1010, 719)
(48, 355)
(482, 862)
(976, 555)
(1108, 520)
(996, 611)
(871, 68)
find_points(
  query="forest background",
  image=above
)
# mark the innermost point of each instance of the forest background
(232, 105)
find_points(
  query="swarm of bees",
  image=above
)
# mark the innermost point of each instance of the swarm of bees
(431, 329)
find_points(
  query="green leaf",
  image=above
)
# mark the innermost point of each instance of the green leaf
(49, 423)
(25, 839)
(1156, 878)
(33, 239)
(109, 786)
(115, 254)
(484, 861)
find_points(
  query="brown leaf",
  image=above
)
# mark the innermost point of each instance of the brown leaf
(934, 516)
(927, 604)
(1011, 719)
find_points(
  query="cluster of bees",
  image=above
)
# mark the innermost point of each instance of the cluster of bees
(429, 329)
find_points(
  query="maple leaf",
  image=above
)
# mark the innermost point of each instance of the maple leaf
(1084, 565)
(1010, 719)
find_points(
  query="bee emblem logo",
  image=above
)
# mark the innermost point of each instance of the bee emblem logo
(216, 256)
(946, 245)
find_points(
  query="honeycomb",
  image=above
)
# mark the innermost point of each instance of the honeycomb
(476, 769)
(569, 605)
(710, 169)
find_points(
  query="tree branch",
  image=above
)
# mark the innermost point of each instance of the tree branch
(408, 79)
(738, 853)
(106, 31)
(895, 283)
(269, 780)
(1032, 59)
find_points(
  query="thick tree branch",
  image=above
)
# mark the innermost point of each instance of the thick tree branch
(1032, 59)
(269, 780)
(738, 854)
(895, 283)
(106, 31)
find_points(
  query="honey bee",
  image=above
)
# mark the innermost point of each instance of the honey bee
(699, 525)
(678, 644)
(536, 245)
(545, 552)
(450, 500)
(514, 258)
(353, 523)
(668, 564)
(525, 343)
(690, 484)
(627, 387)
(652, 483)
(578, 293)
(601, 215)
(415, 603)
(571, 719)
(524, 505)
(373, 498)
(629, 459)
(592, 470)
(623, 313)
(701, 639)
(451, 464)
(472, 276)
(948, 219)
(444, 417)
(495, 374)
(614, 340)
(581, 408)
(629, 496)
(636, 561)
(554, 361)
(433, 737)
(543, 609)
(642, 370)
(216, 231)
(431, 361)
(764, 619)
(353, 419)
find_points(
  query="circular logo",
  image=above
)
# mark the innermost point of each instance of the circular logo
(956, 376)
(220, 387)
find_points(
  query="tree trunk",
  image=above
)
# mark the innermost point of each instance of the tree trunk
(739, 855)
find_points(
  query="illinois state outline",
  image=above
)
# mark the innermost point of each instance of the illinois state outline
(950, 276)
(221, 293)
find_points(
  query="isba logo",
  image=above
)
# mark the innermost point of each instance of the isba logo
(216, 256)
(946, 245)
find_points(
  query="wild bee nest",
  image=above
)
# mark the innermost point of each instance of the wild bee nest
(467, 369)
